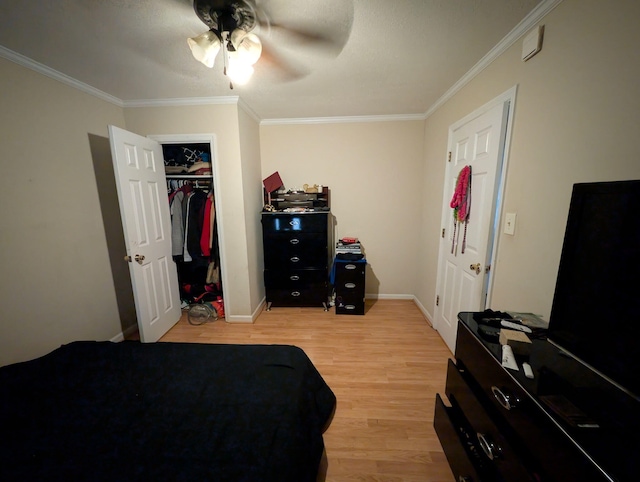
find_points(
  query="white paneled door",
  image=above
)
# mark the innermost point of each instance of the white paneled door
(465, 248)
(144, 208)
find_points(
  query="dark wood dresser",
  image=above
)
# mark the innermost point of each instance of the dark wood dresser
(297, 257)
(567, 423)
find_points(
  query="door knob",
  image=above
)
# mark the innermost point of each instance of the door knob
(475, 267)
(139, 258)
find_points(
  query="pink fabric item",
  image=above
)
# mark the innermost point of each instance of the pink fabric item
(205, 239)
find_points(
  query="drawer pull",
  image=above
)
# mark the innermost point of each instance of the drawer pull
(350, 266)
(464, 478)
(295, 259)
(350, 285)
(294, 241)
(294, 277)
(490, 449)
(505, 400)
(350, 307)
(295, 293)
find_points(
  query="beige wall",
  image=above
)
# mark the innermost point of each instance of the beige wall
(252, 194)
(236, 230)
(56, 283)
(374, 171)
(577, 116)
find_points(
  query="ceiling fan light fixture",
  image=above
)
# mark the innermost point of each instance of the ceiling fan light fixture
(239, 71)
(249, 48)
(205, 47)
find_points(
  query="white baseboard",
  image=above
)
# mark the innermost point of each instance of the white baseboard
(377, 296)
(124, 334)
(247, 318)
(424, 311)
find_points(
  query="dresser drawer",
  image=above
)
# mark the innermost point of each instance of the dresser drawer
(457, 443)
(295, 222)
(304, 295)
(295, 250)
(349, 272)
(295, 279)
(492, 444)
(350, 290)
(345, 306)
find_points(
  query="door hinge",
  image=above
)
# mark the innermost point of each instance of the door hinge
(449, 158)
(437, 300)
(443, 232)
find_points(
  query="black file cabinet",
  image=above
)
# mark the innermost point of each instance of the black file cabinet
(296, 258)
(349, 286)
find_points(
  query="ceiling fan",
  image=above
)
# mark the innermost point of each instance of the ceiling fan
(241, 30)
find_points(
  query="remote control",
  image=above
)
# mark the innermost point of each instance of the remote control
(508, 359)
(515, 326)
(491, 321)
(528, 372)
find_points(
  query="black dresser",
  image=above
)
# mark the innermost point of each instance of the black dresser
(567, 423)
(296, 258)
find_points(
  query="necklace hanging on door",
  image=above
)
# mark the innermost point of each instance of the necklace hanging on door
(461, 204)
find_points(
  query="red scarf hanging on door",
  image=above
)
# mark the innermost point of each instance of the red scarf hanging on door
(461, 204)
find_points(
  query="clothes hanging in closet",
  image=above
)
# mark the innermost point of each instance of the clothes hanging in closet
(194, 239)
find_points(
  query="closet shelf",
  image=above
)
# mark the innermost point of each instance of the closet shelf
(187, 176)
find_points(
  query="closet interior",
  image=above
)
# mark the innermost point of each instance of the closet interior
(194, 232)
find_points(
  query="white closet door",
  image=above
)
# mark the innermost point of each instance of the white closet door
(144, 208)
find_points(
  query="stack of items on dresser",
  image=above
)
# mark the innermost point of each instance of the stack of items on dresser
(349, 249)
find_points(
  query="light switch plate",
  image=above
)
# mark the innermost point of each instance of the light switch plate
(510, 223)
(532, 43)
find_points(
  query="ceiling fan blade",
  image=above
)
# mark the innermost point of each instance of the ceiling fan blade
(301, 37)
(272, 64)
(322, 25)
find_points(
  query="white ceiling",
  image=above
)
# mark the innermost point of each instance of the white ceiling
(401, 57)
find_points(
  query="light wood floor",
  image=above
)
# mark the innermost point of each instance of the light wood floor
(384, 367)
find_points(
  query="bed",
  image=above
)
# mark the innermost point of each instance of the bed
(165, 411)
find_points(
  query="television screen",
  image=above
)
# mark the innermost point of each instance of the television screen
(595, 314)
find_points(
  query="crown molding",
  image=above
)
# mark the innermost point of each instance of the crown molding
(182, 101)
(245, 107)
(344, 119)
(512, 37)
(59, 76)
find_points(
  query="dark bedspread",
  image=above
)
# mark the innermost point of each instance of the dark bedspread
(164, 411)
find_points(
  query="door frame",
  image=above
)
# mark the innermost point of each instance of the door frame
(506, 98)
(212, 141)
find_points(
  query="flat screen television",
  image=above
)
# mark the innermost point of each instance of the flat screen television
(595, 315)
